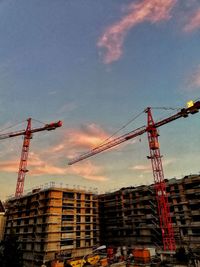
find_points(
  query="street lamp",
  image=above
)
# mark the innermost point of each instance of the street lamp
(96, 249)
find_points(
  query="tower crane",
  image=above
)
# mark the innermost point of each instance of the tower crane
(28, 133)
(156, 162)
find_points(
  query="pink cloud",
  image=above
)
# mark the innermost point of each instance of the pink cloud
(89, 171)
(37, 167)
(48, 161)
(78, 140)
(147, 10)
(9, 166)
(193, 22)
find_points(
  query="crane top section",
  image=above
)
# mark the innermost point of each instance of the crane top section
(192, 108)
(47, 127)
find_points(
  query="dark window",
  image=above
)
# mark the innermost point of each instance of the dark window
(68, 195)
(68, 218)
(87, 219)
(87, 197)
(68, 242)
(78, 243)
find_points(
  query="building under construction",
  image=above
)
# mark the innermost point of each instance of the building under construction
(128, 217)
(65, 223)
(54, 223)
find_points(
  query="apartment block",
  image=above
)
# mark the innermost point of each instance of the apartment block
(128, 217)
(185, 206)
(54, 223)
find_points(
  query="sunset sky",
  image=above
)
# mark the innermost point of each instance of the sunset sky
(95, 65)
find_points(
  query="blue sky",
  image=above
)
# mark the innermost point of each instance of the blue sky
(95, 65)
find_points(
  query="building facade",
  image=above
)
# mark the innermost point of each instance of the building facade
(128, 217)
(54, 223)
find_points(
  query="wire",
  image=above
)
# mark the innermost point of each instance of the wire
(12, 126)
(165, 108)
(38, 121)
(124, 126)
(197, 99)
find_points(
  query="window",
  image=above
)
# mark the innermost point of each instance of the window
(78, 196)
(68, 218)
(68, 195)
(78, 218)
(87, 210)
(78, 210)
(78, 233)
(67, 242)
(67, 229)
(87, 197)
(78, 243)
(87, 219)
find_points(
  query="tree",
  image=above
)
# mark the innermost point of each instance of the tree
(10, 253)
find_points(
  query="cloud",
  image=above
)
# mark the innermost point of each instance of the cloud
(9, 166)
(193, 22)
(52, 160)
(38, 166)
(147, 168)
(147, 10)
(88, 137)
(89, 171)
(142, 168)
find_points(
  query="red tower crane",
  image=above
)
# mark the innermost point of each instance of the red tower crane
(25, 149)
(155, 157)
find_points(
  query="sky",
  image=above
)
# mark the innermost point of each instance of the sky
(96, 65)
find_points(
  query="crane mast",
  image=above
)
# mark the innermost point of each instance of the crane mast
(156, 162)
(159, 185)
(25, 149)
(23, 161)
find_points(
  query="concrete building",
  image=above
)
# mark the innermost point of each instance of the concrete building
(2, 221)
(128, 217)
(54, 223)
(64, 223)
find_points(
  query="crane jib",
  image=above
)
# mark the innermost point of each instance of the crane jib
(183, 113)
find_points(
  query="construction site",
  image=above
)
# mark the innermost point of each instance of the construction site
(145, 225)
(60, 224)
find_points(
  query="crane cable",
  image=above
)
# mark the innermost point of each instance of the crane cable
(130, 121)
(19, 123)
(2, 130)
(124, 126)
